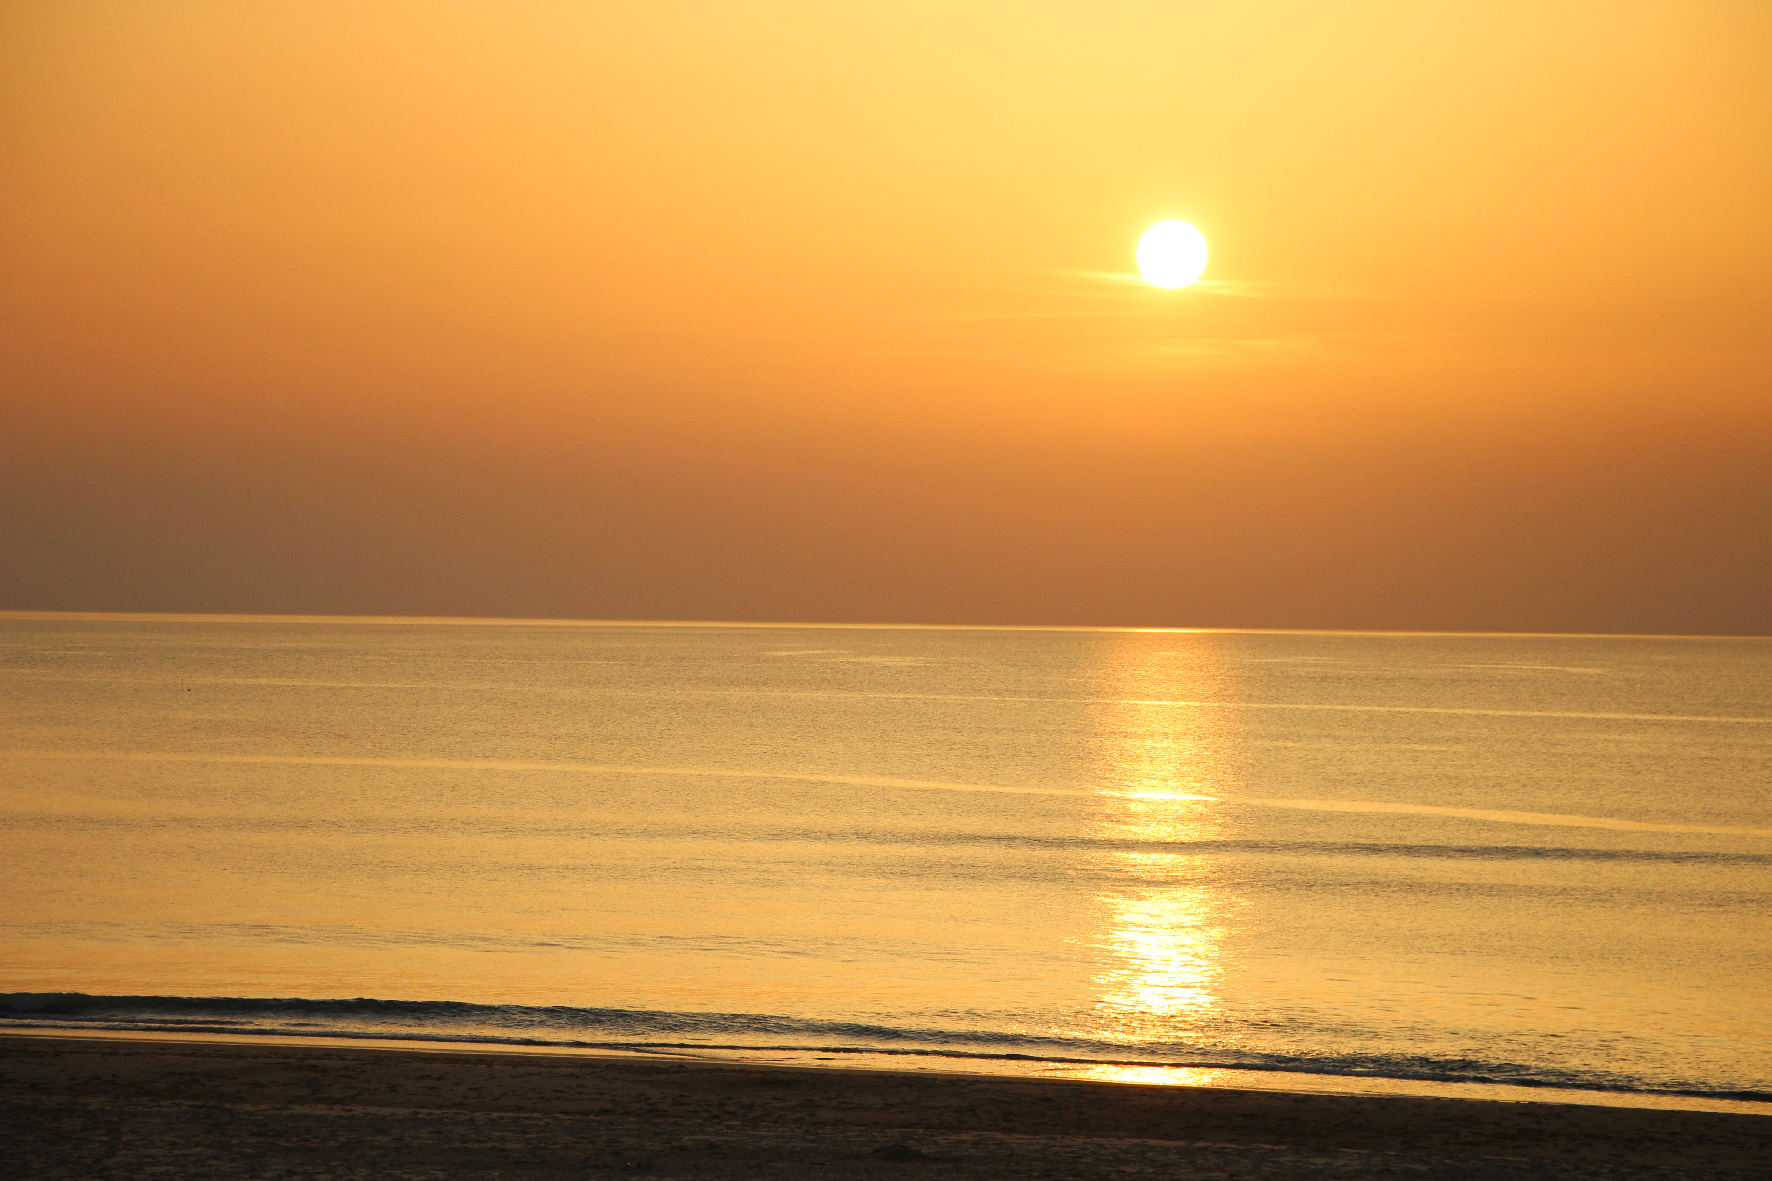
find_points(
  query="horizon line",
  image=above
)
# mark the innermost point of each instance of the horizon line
(522, 621)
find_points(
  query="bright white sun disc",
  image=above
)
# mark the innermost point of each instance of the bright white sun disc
(1171, 254)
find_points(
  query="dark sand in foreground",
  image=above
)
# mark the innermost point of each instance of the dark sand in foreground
(99, 1109)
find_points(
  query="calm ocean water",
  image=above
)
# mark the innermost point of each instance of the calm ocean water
(1207, 857)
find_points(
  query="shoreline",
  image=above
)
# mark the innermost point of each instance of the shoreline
(1284, 1082)
(707, 1118)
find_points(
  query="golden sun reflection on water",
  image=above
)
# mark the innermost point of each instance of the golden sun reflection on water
(1161, 1076)
(1165, 944)
(1164, 917)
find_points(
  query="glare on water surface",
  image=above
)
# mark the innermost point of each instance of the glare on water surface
(1164, 922)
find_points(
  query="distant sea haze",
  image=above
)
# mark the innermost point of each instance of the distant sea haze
(1282, 859)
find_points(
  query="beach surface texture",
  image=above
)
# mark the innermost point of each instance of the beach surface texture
(119, 1108)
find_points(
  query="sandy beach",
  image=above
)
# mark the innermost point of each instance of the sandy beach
(113, 1108)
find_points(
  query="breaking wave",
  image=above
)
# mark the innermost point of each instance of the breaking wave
(639, 1030)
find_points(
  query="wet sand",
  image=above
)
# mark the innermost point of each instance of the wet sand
(106, 1108)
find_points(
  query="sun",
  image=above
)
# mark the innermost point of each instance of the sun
(1171, 254)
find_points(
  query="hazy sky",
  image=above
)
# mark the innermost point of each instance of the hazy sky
(813, 311)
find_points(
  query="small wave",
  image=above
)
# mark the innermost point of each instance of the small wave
(1317, 805)
(1286, 848)
(653, 1031)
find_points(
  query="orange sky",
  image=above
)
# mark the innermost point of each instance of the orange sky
(824, 312)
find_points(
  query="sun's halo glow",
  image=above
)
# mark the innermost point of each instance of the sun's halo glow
(1171, 254)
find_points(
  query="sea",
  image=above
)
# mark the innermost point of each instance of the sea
(1507, 866)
